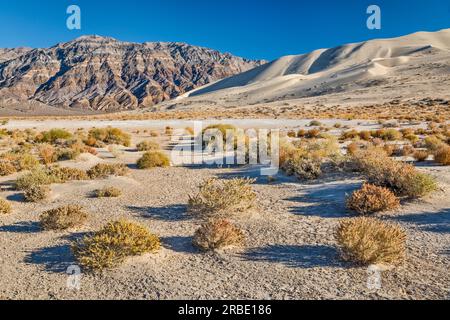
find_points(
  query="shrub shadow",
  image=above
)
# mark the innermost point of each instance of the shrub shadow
(438, 222)
(22, 227)
(179, 244)
(306, 256)
(176, 212)
(17, 197)
(324, 200)
(55, 259)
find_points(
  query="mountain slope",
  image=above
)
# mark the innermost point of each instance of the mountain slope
(98, 73)
(420, 62)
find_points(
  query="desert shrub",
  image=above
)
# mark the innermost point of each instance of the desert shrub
(153, 159)
(365, 135)
(442, 155)
(27, 162)
(64, 174)
(38, 176)
(47, 153)
(189, 131)
(403, 179)
(168, 131)
(370, 199)
(301, 133)
(5, 206)
(53, 135)
(349, 135)
(302, 167)
(411, 137)
(7, 168)
(433, 143)
(36, 193)
(110, 136)
(391, 135)
(218, 234)
(148, 146)
(154, 133)
(315, 123)
(368, 241)
(224, 129)
(222, 197)
(312, 134)
(67, 154)
(63, 218)
(108, 192)
(292, 134)
(111, 245)
(420, 155)
(104, 170)
(407, 150)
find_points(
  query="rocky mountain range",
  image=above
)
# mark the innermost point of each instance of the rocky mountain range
(104, 74)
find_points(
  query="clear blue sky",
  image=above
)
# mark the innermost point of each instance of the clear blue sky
(251, 28)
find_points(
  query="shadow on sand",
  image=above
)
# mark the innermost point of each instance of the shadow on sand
(176, 212)
(307, 256)
(438, 222)
(54, 259)
(179, 244)
(22, 227)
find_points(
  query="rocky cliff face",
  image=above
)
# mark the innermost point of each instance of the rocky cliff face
(100, 73)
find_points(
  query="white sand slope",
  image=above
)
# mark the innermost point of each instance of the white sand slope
(414, 58)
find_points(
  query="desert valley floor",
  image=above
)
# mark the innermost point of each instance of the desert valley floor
(290, 251)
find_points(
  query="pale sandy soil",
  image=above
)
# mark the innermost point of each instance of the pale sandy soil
(290, 254)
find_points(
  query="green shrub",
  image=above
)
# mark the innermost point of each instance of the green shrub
(111, 245)
(222, 197)
(108, 192)
(63, 218)
(53, 135)
(110, 136)
(368, 241)
(153, 159)
(148, 146)
(104, 170)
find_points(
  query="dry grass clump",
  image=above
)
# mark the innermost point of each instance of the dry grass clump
(53, 136)
(153, 159)
(218, 234)
(27, 162)
(115, 242)
(403, 179)
(38, 176)
(109, 136)
(442, 155)
(222, 197)
(370, 199)
(63, 218)
(302, 167)
(148, 146)
(64, 174)
(47, 153)
(108, 192)
(421, 155)
(5, 206)
(368, 241)
(7, 168)
(36, 193)
(211, 131)
(104, 170)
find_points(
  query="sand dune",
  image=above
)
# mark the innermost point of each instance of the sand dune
(340, 69)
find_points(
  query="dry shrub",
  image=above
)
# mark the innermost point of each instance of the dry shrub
(292, 134)
(154, 133)
(433, 143)
(27, 162)
(64, 174)
(63, 218)
(7, 168)
(352, 148)
(420, 155)
(148, 146)
(104, 170)
(38, 176)
(111, 245)
(168, 131)
(64, 154)
(109, 136)
(53, 136)
(153, 159)
(312, 134)
(368, 241)
(108, 192)
(403, 179)
(442, 155)
(218, 234)
(48, 153)
(5, 206)
(370, 199)
(189, 131)
(302, 167)
(36, 193)
(222, 197)
(407, 150)
(365, 135)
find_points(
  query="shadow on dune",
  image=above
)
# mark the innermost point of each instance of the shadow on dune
(22, 227)
(307, 256)
(438, 222)
(55, 259)
(175, 212)
(17, 197)
(324, 200)
(179, 244)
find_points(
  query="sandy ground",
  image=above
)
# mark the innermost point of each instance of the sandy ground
(290, 254)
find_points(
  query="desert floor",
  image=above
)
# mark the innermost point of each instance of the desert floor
(290, 252)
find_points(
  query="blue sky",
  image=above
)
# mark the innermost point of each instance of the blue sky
(265, 29)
